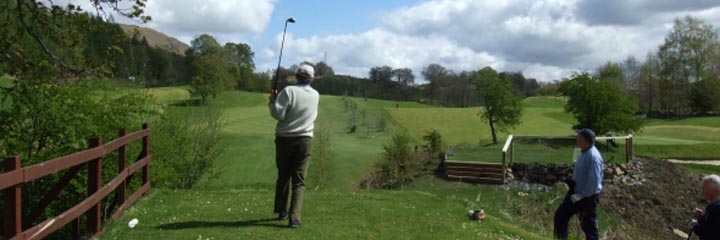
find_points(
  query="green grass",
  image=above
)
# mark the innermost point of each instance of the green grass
(544, 116)
(700, 168)
(528, 152)
(428, 209)
(249, 161)
(5, 82)
(237, 203)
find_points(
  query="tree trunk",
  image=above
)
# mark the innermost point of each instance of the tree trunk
(492, 130)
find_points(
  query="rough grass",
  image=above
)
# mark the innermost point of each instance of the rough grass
(429, 209)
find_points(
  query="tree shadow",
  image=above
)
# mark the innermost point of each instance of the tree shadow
(210, 224)
(193, 102)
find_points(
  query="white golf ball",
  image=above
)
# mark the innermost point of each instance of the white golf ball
(133, 223)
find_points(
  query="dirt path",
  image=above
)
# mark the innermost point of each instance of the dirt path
(705, 162)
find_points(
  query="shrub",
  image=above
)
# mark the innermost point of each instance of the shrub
(399, 165)
(186, 141)
(322, 169)
(434, 142)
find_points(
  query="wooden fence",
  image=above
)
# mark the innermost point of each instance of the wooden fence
(17, 227)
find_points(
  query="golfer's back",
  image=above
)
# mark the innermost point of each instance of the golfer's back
(296, 111)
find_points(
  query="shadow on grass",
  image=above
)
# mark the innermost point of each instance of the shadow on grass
(193, 102)
(270, 222)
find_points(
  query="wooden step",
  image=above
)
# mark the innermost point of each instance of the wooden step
(472, 169)
(472, 164)
(485, 180)
(498, 175)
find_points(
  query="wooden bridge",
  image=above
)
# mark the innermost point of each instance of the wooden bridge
(17, 226)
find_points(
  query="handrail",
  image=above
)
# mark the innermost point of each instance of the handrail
(508, 142)
(14, 176)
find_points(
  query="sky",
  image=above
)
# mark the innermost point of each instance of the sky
(545, 39)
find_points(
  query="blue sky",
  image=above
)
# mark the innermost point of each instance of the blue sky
(545, 39)
(316, 17)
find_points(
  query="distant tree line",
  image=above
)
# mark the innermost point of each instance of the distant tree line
(442, 87)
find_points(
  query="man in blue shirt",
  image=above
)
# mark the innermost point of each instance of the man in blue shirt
(583, 196)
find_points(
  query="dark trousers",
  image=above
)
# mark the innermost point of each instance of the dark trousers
(586, 209)
(292, 156)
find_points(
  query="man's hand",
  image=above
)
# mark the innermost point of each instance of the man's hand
(693, 223)
(273, 95)
(697, 213)
(575, 198)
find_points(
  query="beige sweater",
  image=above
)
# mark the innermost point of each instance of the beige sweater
(296, 110)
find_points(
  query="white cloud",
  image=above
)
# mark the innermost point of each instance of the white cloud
(211, 16)
(355, 54)
(545, 39)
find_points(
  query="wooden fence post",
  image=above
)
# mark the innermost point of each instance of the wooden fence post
(504, 167)
(122, 164)
(145, 153)
(12, 212)
(94, 184)
(628, 148)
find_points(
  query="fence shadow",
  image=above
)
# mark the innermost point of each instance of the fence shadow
(269, 222)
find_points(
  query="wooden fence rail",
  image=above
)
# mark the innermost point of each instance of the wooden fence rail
(17, 227)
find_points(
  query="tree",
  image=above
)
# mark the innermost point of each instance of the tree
(404, 76)
(613, 73)
(649, 83)
(44, 41)
(436, 74)
(204, 45)
(631, 70)
(382, 74)
(503, 109)
(238, 58)
(686, 57)
(600, 105)
(211, 77)
(322, 69)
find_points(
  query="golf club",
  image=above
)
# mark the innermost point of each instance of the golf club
(282, 44)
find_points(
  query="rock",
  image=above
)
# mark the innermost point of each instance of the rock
(561, 186)
(509, 170)
(624, 166)
(608, 172)
(619, 171)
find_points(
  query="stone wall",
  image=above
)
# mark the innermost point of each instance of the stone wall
(549, 174)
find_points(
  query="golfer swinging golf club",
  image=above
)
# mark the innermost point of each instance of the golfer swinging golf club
(295, 108)
(584, 193)
(706, 224)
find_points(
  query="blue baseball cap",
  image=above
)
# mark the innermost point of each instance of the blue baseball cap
(586, 133)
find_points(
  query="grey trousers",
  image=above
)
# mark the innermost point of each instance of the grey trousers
(292, 157)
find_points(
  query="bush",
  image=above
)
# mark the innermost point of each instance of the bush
(322, 169)
(186, 141)
(43, 121)
(435, 142)
(399, 165)
(382, 121)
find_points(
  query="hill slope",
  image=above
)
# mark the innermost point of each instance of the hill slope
(157, 39)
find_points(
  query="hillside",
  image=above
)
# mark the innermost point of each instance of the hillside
(157, 39)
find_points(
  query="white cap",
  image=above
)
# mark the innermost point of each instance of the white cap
(306, 70)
